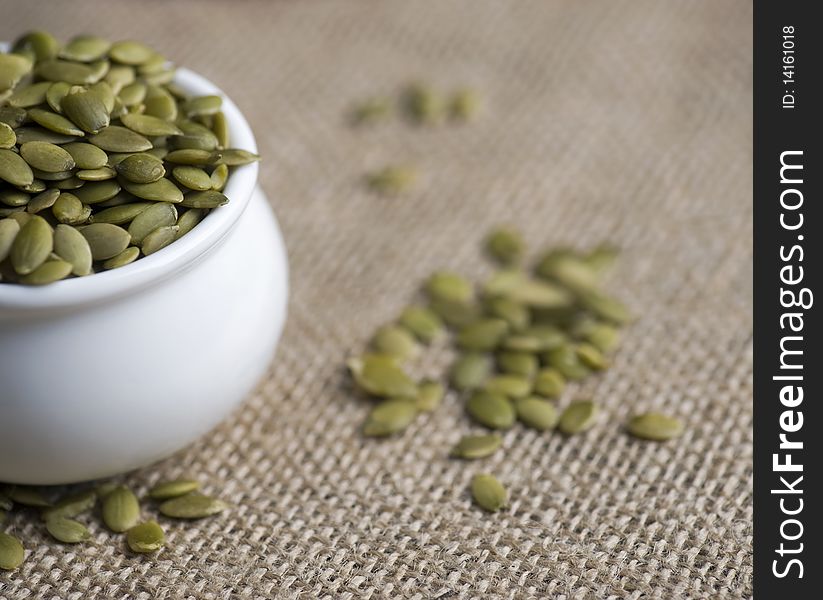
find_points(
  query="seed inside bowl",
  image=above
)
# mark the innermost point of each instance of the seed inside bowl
(92, 135)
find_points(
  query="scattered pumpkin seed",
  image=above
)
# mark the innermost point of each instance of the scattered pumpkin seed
(380, 375)
(71, 506)
(121, 510)
(655, 426)
(429, 395)
(422, 105)
(490, 409)
(27, 496)
(11, 550)
(578, 417)
(422, 322)
(505, 245)
(192, 506)
(146, 537)
(391, 180)
(488, 493)
(470, 371)
(67, 530)
(536, 413)
(389, 417)
(477, 446)
(395, 340)
(174, 488)
(464, 105)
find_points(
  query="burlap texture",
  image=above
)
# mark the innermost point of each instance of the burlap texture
(621, 121)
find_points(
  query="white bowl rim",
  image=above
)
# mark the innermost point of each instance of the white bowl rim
(152, 269)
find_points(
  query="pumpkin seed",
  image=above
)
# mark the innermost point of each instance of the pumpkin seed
(41, 43)
(192, 506)
(120, 76)
(39, 134)
(511, 386)
(600, 258)
(161, 214)
(130, 52)
(422, 322)
(380, 375)
(591, 357)
(101, 174)
(12, 69)
(55, 94)
(549, 382)
(602, 336)
(13, 117)
(95, 192)
(129, 255)
(43, 200)
(191, 156)
(149, 126)
(517, 315)
(389, 417)
(9, 229)
(429, 395)
(370, 111)
(220, 127)
(131, 95)
(27, 496)
(470, 371)
(71, 506)
(121, 510)
(235, 157)
(46, 157)
(159, 239)
(207, 199)
(655, 426)
(193, 142)
(606, 307)
(119, 139)
(32, 246)
(11, 550)
(119, 215)
(14, 169)
(519, 287)
(578, 417)
(71, 72)
(141, 168)
(456, 314)
(505, 245)
(14, 198)
(566, 360)
(449, 287)
(146, 537)
(86, 156)
(161, 106)
(536, 413)
(54, 122)
(464, 105)
(482, 335)
(219, 177)
(105, 240)
(172, 489)
(395, 341)
(203, 105)
(536, 338)
(488, 493)
(48, 272)
(87, 110)
(29, 96)
(491, 409)
(85, 48)
(477, 446)
(67, 530)
(422, 105)
(193, 178)
(71, 246)
(188, 220)
(162, 190)
(389, 181)
(518, 363)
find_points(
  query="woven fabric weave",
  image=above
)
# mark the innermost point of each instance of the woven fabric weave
(627, 121)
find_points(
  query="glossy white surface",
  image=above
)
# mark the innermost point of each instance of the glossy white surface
(103, 374)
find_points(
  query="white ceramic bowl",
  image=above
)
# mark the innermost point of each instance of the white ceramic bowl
(106, 373)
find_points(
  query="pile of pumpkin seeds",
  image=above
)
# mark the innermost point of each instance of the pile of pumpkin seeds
(521, 336)
(116, 506)
(103, 158)
(420, 105)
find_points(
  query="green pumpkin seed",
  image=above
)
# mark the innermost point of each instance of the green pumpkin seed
(220, 127)
(449, 287)
(156, 64)
(511, 386)
(121, 510)
(380, 375)
(32, 246)
(130, 52)
(35, 187)
(172, 489)
(455, 314)
(193, 157)
(12, 69)
(14, 169)
(389, 417)
(85, 48)
(505, 245)
(11, 550)
(146, 537)
(127, 256)
(119, 139)
(159, 239)
(192, 506)
(161, 214)
(422, 105)
(54, 122)
(193, 178)
(71, 246)
(20, 217)
(483, 335)
(71, 506)
(422, 322)
(120, 76)
(591, 357)
(536, 338)
(46, 157)
(31, 95)
(161, 106)
(194, 142)
(655, 426)
(549, 382)
(235, 157)
(188, 220)
(141, 168)
(13, 117)
(101, 174)
(488, 493)
(472, 447)
(131, 95)
(14, 198)
(42, 43)
(566, 360)
(470, 371)
(464, 105)
(519, 287)
(606, 307)
(27, 496)
(9, 228)
(162, 190)
(71, 72)
(573, 273)
(429, 395)
(49, 272)
(207, 199)
(105, 240)
(203, 105)
(87, 110)
(371, 110)
(94, 192)
(395, 341)
(517, 315)
(86, 156)
(491, 410)
(54, 176)
(600, 258)
(39, 134)
(67, 530)
(119, 215)
(536, 413)
(518, 363)
(391, 180)
(578, 417)
(219, 177)
(602, 336)
(149, 126)
(43, 200)
(55, 94)
(68, 209)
